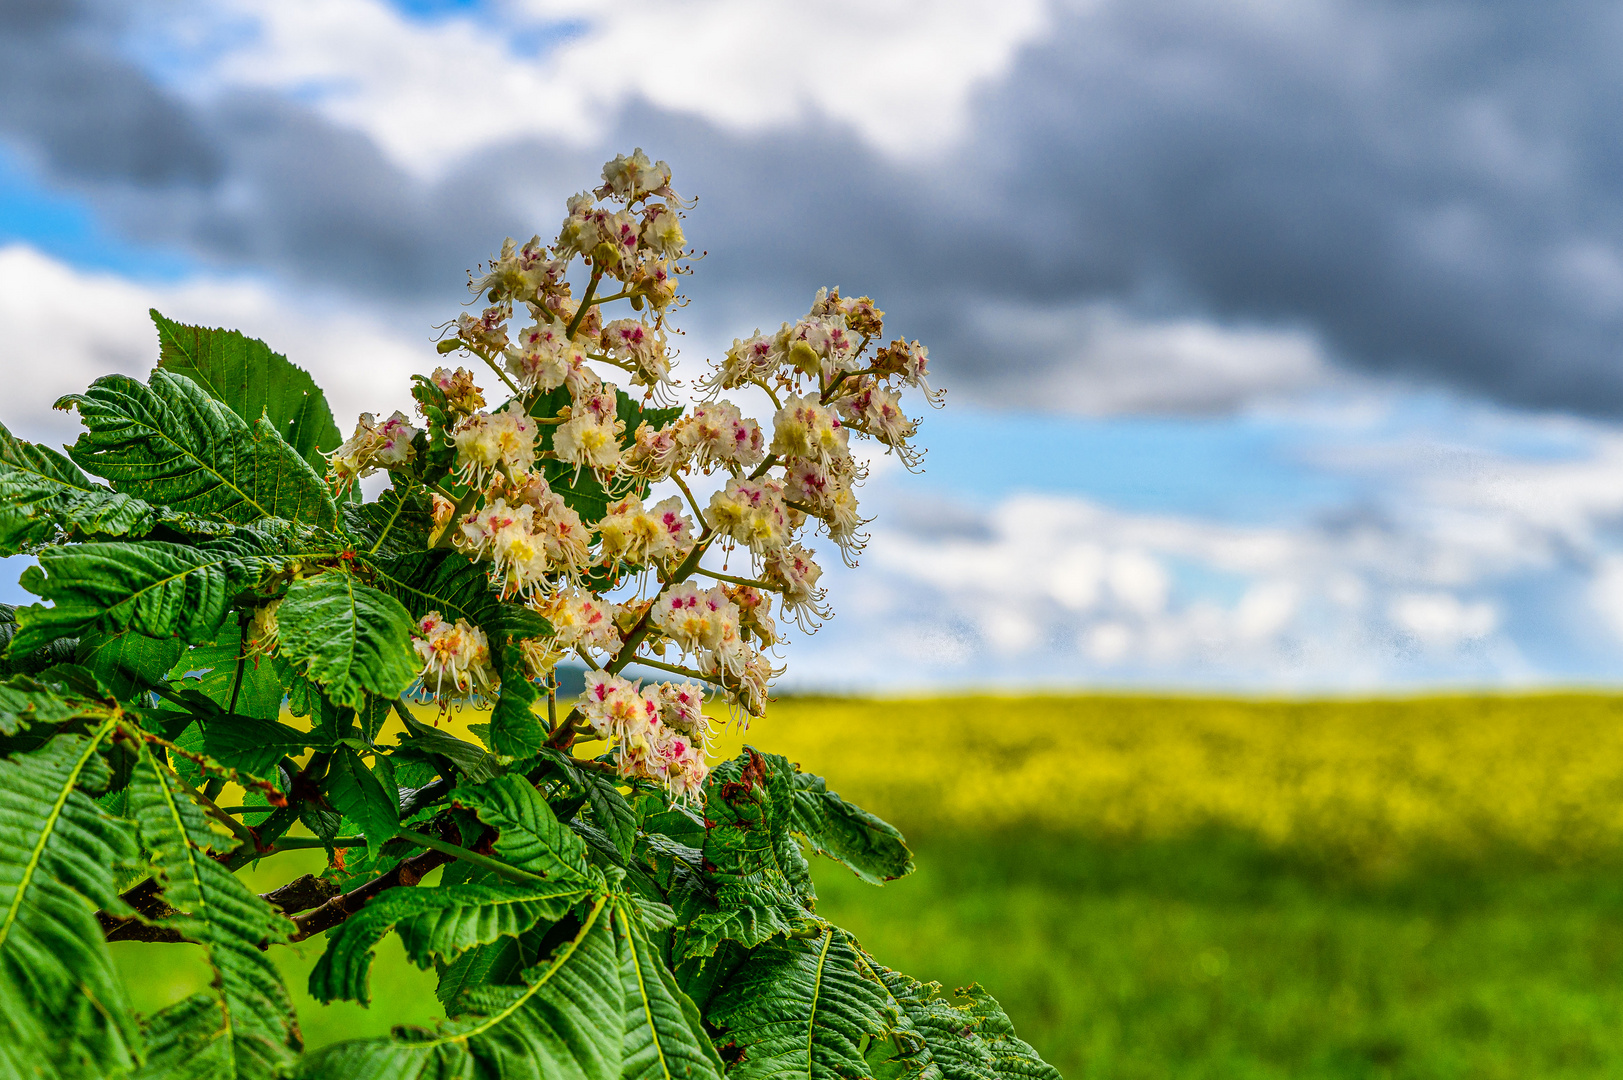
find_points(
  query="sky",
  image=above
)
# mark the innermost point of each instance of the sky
(1282, 341)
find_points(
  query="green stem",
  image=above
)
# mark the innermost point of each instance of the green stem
(682, 671)
(697, 512)
(738, 580)
(298, 843)
(495, 866)
(776, 404)
(762, 469)
(242, 832)
(585, 303)
(500, 374)
(458, 511)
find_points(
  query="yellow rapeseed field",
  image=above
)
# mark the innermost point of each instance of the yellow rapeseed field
(1375, 779)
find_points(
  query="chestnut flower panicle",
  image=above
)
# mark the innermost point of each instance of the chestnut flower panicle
(575, 500)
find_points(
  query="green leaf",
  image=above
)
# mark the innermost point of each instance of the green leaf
(612, 813)
(25, 702)
(566, 1023)
(474, 762)
(664, 1035)
(255, 1030)
(967, 1036)
(242, 373)
(128, 663)
(435, 923)
(531, 837)
(396, 524)
(43, 493)
(368, 797)
(253, 745)
(62, 1004)
(151, 587)
(348, 637)
(169, 442)
(444, 581)
(515, 731)
(804, 1006)
(759, 878)
(189, 1041)
(870, 848)
(218, 666)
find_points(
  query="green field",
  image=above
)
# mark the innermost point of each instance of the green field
(1186, 888)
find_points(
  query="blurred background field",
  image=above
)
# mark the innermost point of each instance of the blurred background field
(1208, 888)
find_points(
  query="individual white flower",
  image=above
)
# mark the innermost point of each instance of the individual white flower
(748, 360)
(461, 395)
(662, 231)
(655, 453)
(487, 333)
(543, 356)
(580, 619)
(695, 619)
(635, 342)
(910, 361)
(518, 273)
(591, 435)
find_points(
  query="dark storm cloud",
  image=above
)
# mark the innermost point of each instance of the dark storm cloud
(1435, 190)
(86, 113)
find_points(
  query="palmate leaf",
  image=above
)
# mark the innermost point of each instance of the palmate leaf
(153, 587)
(396, 524)
(804, 1007)
(26, 701)
(63, 1010)
(350, 638)
(438, 923)
(252, 1030)
(128, 663)
(565, 1023)
(223, 670)
(603, 1008)
(242, 373)
(870, 848)
(169, 442)
(515, 731)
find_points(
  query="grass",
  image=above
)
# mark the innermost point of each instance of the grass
(1210, 888)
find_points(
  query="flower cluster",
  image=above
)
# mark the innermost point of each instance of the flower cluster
(374, 446)
(455, 656)
(661, 732)
(531, 535)
(570, 491)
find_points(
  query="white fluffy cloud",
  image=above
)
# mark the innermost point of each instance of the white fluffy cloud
(899, 72)
(66, 327)
(1474, 565)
